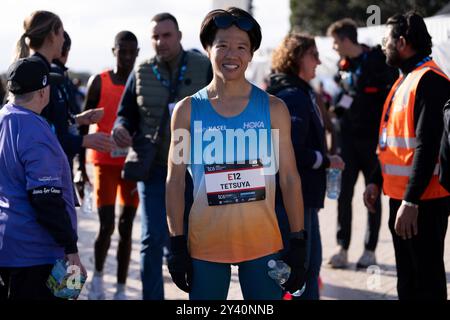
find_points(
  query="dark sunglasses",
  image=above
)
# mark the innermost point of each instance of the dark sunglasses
(225, 21)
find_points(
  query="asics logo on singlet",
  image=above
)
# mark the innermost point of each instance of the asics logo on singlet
(254, 125)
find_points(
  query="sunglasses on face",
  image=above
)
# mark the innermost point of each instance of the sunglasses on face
(225, 21)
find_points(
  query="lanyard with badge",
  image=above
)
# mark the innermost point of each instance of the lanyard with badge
(383, 137)
(172, 86)
(173, 91)
(349, 82)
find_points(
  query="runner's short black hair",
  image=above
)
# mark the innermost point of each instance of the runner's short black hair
(165, 16)
(412, 27)
(209, 29)
(125, 36)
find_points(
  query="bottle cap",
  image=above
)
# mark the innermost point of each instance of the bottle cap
(271, 263)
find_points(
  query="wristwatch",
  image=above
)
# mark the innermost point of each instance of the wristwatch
(301, 235)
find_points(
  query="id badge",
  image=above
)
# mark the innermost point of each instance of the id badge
(235, 183)
(345, 102)
(383, 139)
(119, 153)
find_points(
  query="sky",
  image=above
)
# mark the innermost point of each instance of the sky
(92, 25)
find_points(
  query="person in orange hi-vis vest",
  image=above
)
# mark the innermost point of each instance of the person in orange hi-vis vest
(408, 151)
(105, 91)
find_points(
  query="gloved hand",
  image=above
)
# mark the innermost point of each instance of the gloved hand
(179, 263)
(295, 258)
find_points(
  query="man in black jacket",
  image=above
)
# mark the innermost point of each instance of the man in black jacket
(444, 154)
(409, 143)
(365, 80)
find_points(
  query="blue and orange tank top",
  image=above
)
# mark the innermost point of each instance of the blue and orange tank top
(233, 168)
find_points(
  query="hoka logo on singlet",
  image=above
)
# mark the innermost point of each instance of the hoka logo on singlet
(254, 125)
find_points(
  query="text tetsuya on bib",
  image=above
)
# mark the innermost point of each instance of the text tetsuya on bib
(235, 183)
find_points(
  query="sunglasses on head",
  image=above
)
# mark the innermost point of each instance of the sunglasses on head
(225, 21)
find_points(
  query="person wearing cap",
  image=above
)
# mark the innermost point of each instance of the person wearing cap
(37, 214)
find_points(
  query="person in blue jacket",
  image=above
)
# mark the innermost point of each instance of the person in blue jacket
(37, 214)
(294, 63)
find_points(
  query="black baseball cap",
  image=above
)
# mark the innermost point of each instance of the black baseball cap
(30, 74)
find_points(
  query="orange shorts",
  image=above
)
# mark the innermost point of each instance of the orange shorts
(108, 184)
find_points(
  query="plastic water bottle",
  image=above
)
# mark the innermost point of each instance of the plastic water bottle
(87, 206)
(280, 271)
(334, 177)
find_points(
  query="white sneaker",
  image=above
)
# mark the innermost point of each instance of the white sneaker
(120, 292)
(96, 291)
(339, 260)
(367, 259)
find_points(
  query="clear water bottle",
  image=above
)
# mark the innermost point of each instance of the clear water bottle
(280, 271)
(87, 206)
(334, 177)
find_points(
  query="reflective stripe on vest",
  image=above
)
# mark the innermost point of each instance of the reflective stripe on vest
(401, 142)
(403, 171)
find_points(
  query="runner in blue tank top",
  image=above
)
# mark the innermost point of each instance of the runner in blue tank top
(232, 220)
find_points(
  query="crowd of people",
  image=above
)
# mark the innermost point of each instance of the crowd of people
(223, 172)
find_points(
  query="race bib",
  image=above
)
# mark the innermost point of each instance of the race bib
(235, 183)
(345, 102)
(119, 153)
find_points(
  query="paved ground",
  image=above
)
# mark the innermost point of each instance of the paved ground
(338, 284)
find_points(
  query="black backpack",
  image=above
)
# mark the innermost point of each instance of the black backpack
(444, 154)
